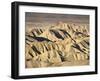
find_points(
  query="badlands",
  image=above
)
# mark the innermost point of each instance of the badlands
(63, 44)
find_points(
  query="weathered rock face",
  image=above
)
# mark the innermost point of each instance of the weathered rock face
(61, 45)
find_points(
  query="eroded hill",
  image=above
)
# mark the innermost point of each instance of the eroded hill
(65, 44)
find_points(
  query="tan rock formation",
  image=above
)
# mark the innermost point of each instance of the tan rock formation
(64, 44)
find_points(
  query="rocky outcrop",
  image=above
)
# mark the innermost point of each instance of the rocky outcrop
(59, 45)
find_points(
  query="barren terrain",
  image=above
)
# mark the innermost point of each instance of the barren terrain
(62, 44)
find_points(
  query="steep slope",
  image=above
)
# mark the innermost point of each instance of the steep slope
(61, 45)
(34, 32)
